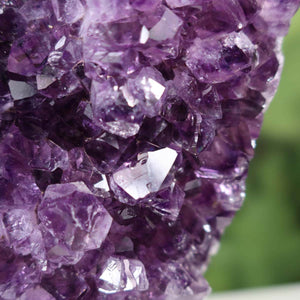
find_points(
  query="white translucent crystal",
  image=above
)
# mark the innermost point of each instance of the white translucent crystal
(193, 184)
(20, 89)
(167, 26)
(113, 57)
(148, 174)
(145, 34)
(239, 39)
(152, 88)
(43, 81)
(130, 99)
(60, 43)
(3, 233)
(102, 184)
(112, 275)
(123, 275)
(122, 128)
(207, 228)
(54, 57)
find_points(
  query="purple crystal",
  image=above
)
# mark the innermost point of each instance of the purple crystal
(126, 131)
(69, 11)
(23, 233)
(36, 293)
(218, 60)
(73, 221)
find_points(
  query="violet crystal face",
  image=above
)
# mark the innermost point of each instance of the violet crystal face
(126, 130)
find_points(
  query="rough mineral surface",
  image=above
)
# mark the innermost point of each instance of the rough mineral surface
(126, 130)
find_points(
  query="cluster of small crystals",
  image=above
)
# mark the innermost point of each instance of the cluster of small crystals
(126, 129)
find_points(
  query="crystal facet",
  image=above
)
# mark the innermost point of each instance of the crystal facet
(73, 221)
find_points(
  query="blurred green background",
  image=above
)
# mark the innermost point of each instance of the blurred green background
(262, 246)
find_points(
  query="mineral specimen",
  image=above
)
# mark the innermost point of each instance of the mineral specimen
(126, 130)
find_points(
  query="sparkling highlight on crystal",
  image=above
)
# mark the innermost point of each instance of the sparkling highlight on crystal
(126, 131)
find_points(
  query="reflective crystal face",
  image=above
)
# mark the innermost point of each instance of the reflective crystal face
(120, 110)
(20, 90)
(126, 130)
(122, 275)
(147, 175)
(167, 27)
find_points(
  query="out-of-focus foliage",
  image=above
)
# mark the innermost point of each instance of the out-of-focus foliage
(262, 246)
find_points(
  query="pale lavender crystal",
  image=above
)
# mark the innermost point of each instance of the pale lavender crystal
(23, 234)
(103, 11)
(126, 131)
(167, 27)
(180, 3)
(34, 10)
(48, 156)
(120, 110)
(146, 91)
(69, 11)
(73, 221)
(218, 60)
(111, 111)
(36, 293)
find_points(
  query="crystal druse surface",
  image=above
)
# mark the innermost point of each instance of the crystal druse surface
(126, 130)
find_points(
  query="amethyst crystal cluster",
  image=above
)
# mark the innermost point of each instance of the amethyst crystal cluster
(126, 131)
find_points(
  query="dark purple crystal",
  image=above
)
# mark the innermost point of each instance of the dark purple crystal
(126, 130)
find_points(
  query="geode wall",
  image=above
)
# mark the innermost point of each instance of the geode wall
(127, 127)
